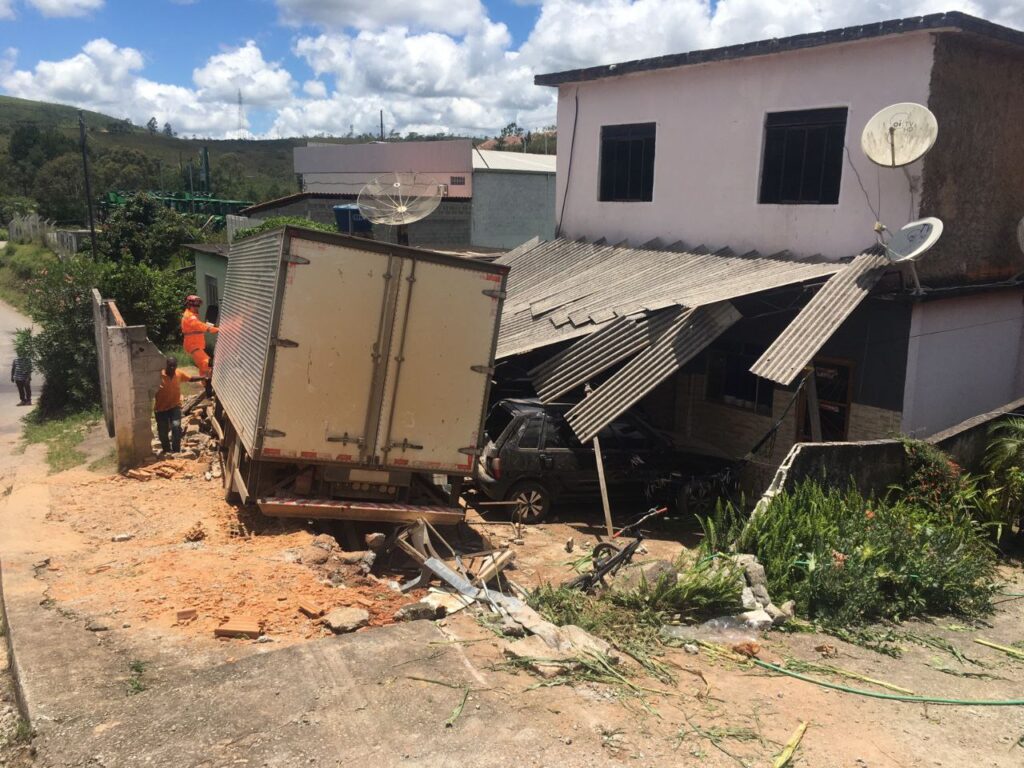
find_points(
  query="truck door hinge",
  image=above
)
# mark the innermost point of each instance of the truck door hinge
(470, 451)
(272, 432)
(488, 369)
(405, 445)
(284, 342)
(291, 259)
(494, 293)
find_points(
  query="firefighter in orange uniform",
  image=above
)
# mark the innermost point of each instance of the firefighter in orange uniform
(194, 332)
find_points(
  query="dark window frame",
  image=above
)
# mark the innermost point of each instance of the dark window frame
(802, 156)
(741, 359)
(803, 427)
(626, 155)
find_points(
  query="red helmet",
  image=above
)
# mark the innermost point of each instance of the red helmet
(192, 300)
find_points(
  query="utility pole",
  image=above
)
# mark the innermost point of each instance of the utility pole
(382, 125)
(191, 190)
(88, 186)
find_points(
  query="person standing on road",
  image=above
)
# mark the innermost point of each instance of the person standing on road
(193, 331)
(167, 406)
(21, 368)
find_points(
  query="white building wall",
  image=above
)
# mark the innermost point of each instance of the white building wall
(710, 127)
(511, 208)
(964, 358)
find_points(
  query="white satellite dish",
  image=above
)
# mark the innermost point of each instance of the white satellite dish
(399, 198)
(899, 134)
(913, 239)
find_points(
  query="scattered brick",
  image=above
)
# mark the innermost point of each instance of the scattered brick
(187, 615)
(239, 626)
(310, 609)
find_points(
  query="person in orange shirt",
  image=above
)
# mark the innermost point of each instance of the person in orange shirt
(194, 331)
(167, 406)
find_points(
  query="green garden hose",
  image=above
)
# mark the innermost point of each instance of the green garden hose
(891, 696)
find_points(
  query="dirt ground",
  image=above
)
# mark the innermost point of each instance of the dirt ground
(139, 571)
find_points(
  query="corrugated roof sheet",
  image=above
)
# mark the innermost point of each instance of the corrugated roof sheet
(690, 332)
(563, 289)
(787, 356)
(612, 343)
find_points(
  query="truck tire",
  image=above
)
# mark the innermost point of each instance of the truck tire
(533, 501)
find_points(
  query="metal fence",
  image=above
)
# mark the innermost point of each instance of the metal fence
(33, 228)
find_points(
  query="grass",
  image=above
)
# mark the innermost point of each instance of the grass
(20, 263)
(136, 669)
(61, 436)
(106, 463)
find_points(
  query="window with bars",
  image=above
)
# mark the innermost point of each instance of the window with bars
(803, 156)
(457, 181)
(627, 163)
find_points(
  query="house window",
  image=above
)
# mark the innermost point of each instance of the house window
(457, 181)
(833, 380)
(803, 156)
(627, 163)
(730, 381)
(212, 298)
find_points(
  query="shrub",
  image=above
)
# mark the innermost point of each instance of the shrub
(276, 222)
(143, 231)
(847, 560)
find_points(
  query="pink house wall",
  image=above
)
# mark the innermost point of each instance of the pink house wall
(710, 126)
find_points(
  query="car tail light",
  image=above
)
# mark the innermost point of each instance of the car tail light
(494, 467)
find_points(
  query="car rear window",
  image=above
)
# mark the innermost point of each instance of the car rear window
(497, 422)
(529, 433)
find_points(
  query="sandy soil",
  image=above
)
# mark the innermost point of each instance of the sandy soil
(717, 712)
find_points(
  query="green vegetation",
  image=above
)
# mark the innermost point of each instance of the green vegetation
(136, 684)
(275, 222)
(61, 435)
(19, 265)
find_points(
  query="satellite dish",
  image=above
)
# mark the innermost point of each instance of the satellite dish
(913, 239)
(399, 198)
(899, 134)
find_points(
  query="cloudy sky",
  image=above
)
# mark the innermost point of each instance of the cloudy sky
(307, 67)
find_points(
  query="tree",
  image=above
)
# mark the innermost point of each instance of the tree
(152, 125)
(124, 169)
(143, 231)
(60, 189)
(28, 149)
(168, 131)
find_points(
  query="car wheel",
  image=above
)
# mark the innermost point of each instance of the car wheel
(533, 501)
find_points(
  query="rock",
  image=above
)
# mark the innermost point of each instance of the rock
(539, 657)
(760, 592)
(97, 626)
(510, 628)
(366, 564)
(691, 648)
(788, 608)
(342, 620)
(313, 555)
(758, 619)
(577, 640)
(418, 612)
(752, 570)
(352, 558)
(519, 542)
(375, 541)
(122, 537)
(325, 542)
(778, 616)
(748, 600)
(631, 579)
(264, 639)
(207, 476)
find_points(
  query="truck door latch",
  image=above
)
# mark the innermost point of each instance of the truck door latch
(345, 439)
(405, 445)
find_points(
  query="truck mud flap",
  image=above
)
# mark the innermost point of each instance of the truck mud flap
(368, 511)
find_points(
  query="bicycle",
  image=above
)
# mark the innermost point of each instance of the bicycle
(608, 559)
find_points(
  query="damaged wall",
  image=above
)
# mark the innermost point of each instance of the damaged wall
(129, 370)
(973, 178)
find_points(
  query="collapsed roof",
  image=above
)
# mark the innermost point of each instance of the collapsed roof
(658, 308)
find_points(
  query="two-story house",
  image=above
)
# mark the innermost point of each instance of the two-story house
(708, 206)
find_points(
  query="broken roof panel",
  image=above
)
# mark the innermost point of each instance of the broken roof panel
(787, 356)
(564, 289)
(686, 337)
(612, 343)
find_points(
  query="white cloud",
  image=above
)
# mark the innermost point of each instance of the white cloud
(315, 89)
(6, 9)
(262, 83)
(445, 15)
(66, 8)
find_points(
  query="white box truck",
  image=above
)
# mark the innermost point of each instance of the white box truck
(352, 376)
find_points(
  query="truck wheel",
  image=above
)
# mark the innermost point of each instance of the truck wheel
(533, 501)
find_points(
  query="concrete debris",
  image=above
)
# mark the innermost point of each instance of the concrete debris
(313, 555)
(195, 533)
(758, 619)
(759, 612)
(376, 541)
(352, 558)
(342, 620)
(97, 626)
(421, 611)
(570, 544)
(325, 541)
(444, 601)
(539, 657)
(569, 638)
(119, 537)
